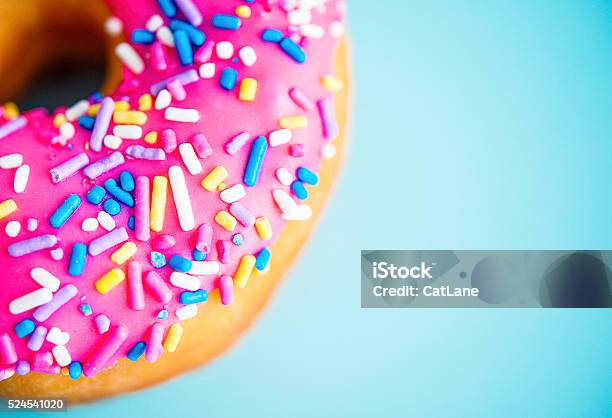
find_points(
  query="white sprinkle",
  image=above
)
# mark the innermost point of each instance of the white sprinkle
(32, 224)
(77, 110)
(112, 141)
(328, 151)
(155, 22)
(177, 114)
(247, 55)
(225, 50)
(283, 200)
(129, 57)
(164, 34)
(163, 99)
(113, 26)
(61, 354)
(312, 31)
(21, 178)
(299, 17)
(57, 336)
(90, 224)
(45, 279)
(207, 70)
(336, 29)
(280, 137)
(301, 212)
(12, 229)
(181, 198)
(291, 210)
(30, 301)
(233, 194)
(106, 221)
(128, 131)
(190, 159)
(185, 281)
(284, 176)
(67, 130)
(186, 312)
(11, 161)
(204, 268)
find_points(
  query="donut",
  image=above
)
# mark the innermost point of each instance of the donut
(143, 229)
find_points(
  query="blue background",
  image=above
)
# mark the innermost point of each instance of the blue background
(477, 125)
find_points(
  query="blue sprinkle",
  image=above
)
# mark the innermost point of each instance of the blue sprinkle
(198, 255)
(189, 298)
(255, 162)
(228, 79)
(95, 195)
(163, 314)
(179, 263)
(112, 207)
(293, 50)
(75, 370)
(85, 309)
(196, 36)
(24, 328)
(272, 35)
(126, 179)
(307, 176)
(118, 193)
(143, 36)
(158, 260)
(183, 47)
(168, 7)
(96, 97)
(228, 22)
(262, 259)
(137, 350)
(77, 259)
(238, 239)
(132, 223)
(86, 122)
(65, 211)
(298, 189)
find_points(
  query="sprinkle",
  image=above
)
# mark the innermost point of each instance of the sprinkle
(186, 77)
(264, 228)
(243, 215)
(135, 289)
(312, 31)
(103, 119)
(21, 178)
(198, 255)
(151, 137)
(67, 130)
(224, 50)
(168, 7)
(75, 370)
(247, 55)
(45, 279)
(223, 251)
(163, 99)
(204, 268)
(155, 22)
(226, 290)
(301, 99)
(22, 368)
(69, 167)
(126, 179)
(180, 264)
(181, 198)
(184, 281)
(201, 146)
(129, 57)
(142, 36)
(336, 29)
(255, 161)
(238, 239)
(106, 221)
(298, 189)
(85, 309)
(59, 299)
(183, 47)
(158, 260)
(293, 50)
(131, 222)
(196, 36)
(177, 114)
(248, 90)
(31, 245)
(190, 159)
(32, 224)
(173, 338)
(228, 79)
(113, 26)
(236, 143)
(284, 176)
(111, 206)
(104, 165)
(169, 140)
(24, 328)
(233, 194)
(144, 153)
(226, 220)
(272, 35)
(186, 312)
(214, 178)
(164, 35)
(190, 298)
(207, 70)
(12, 126)
(158, 202)
(299, 17)
(57, 254)
(331, 83)
(78, 257)
(43, 363)
(177, 90)
(11, 161)
(110, 280)
(61, 355)
(124, 253)
(154, 347)
(128, 131)
(262, 260)
(37, 339)
(307, 176)
(7, 349)
(112, 142)
(99, 358)
(77, 110)
(90, 224)
(203, 54)
(130, 117)
(7, 207)
(244, 270)
(293, 122)
(296, 150)
(102, 323)
(228, 22)
(106, 241)
(204, 238)
(65, 211)
(328, 119)
(12, 229)
(243, 11)
(158, 287)
(159, 58)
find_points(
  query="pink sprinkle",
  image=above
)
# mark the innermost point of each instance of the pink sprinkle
(158, 54)
(226, 289)
(223, 251)
(201, 146)
(136, 292)
(205, 233)
(164, 242)
(158, 287)
(175, 87)
(142, 210)
(154, 347)
(301, 99)
(203, 54)
(296, 150)
(7, 349)
(169, 140)
(106, 351)
(43, 363)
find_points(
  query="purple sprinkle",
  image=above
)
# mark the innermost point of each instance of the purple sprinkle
(243, 215)
(106, 241)
(104, 165)
(31, 245)
(69, 167)
(12, 126)
(22, 367)
(144, 153)
(103, 118)
(102, 323)
(190, 11)
(38, 338)
(237, 142)
(59, 299)
(328, 119)
(187, 77)
(301, 99)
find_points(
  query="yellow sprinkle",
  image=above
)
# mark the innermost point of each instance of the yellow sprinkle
(122, 106)
(158, 202)
(130, 117)
(243, 11)
(11, 110)
(173, 338)
(293, 122)
(264, 229)
(124, 253)
(64, 371)
(226, 220)
(248, 90)
(244, 270)
(214, 178)
(151, 137)
(93, 109)
(331, 83)
(145, 102)
(59, 120)
(7, 207)
(222, 186)
(110, 280)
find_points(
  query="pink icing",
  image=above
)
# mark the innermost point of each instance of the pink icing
(222, 117)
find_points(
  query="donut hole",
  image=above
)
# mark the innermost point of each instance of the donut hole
(53, 53)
